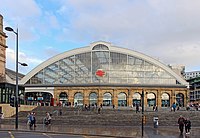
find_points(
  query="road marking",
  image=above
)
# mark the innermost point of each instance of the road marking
(11, 135)
(46, 135)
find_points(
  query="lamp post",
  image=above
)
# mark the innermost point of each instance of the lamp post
(142, 113)
(17, 62)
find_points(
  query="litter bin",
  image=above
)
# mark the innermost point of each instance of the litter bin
(155, 122)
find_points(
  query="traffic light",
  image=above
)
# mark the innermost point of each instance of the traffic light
(12, 101)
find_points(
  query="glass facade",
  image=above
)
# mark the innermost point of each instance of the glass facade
(93, 98)
(165, 100)
(100, 65)
(136, 99)
(122, 99)
(7, 90)
(78, 99)
(107, 99)
(38, 98)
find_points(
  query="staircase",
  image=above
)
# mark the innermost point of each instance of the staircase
(107, 117)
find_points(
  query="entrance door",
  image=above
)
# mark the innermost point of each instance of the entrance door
(180, 99)
(151, 99)
(136, 99)
(63, 99)
(107, 99)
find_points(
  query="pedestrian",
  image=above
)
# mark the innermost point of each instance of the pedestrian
(1, 116)
(174, 107)
(197, 106)
(86, 107)
(156, 108)
(34, 119)
(31, 118)
(187, 126)
(96, 105)
(60, 111)
(28, 118)
(181, 121)
(101, 105)
(47, 120)
(99, 110)
(137, 108)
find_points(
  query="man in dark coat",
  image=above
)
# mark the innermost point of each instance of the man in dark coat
(187, 126)
(181, 121)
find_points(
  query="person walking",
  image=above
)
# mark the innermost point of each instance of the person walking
(31, 118)
(174, 107)
(99, 110)
(60, 111)
(28, 118)
(34, 119)
(181, 121)
(187, 126)
(113, 106)
(137, 108)
(47, 120)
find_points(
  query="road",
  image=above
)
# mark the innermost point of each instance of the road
(17, 134)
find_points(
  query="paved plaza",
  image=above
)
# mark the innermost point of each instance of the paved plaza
(103, 131)
(124, 123)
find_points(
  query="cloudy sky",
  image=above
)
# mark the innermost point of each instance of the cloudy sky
(168, 30)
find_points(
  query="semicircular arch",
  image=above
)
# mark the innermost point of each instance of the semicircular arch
(122, 99)
(111, 48)
(107, 99)
(136, 99)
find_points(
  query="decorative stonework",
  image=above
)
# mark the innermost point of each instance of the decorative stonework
(2, 51)
(129, 91)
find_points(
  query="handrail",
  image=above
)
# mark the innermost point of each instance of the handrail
(55, 111)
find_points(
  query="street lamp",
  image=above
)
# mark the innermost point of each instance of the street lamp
(142, 113)
(23, 64)
(17, 62)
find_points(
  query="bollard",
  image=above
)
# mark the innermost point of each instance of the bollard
(155, 122)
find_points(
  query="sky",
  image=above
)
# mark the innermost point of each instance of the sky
(167, 30)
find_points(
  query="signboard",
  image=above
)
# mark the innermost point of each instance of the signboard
(100, 73)
(39, 98)
(30, 98)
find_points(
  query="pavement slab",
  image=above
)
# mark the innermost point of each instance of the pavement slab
(108, 131)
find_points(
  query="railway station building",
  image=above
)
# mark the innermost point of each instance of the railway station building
(102, 73)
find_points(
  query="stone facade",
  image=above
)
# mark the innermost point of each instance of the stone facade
(2, 51)
(115, 91)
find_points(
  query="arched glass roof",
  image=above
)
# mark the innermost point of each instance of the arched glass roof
(102, 63)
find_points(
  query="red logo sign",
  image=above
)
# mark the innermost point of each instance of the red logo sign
(100, 73)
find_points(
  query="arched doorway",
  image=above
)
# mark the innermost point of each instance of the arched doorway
(107, 99)
(136, 99)
(122, 99)
(78, 99)
(180, 99)
(93, 98)
(151, 99)
(63, 99)
(165, 100)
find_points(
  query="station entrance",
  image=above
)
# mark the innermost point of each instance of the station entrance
(39, 98)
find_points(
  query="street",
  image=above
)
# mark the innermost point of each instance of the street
(17, 134)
